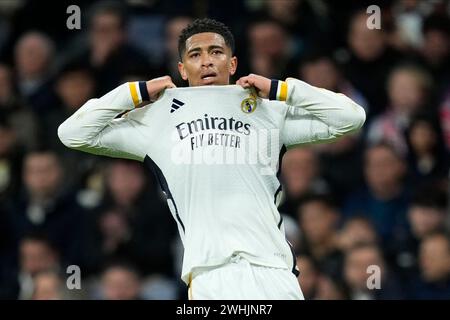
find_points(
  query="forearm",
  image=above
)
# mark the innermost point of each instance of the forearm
(337, 111)
(83, 128)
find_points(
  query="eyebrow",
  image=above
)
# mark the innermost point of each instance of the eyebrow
(209, 48)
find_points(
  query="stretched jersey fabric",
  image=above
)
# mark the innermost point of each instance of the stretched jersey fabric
(215, 151)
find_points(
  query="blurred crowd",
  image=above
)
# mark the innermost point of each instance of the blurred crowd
(376, 198)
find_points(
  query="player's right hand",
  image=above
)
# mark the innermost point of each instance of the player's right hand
(156, 86)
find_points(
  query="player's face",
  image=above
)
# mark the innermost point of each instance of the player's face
(207, 60)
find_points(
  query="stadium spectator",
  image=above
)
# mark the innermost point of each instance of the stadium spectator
(427, 214)
(428, 159)
(48, 285)
(434, 282)
(109, 54)
(321, 70)
(365, 283)
(300, 174)
(296, 17)
(36, 254)
(340, 160)
(34, 55)
(369, 62)
(172, 31)
(13, 109)
(269, 52)
(123, 226)
(318, 219)
(384, 199)
(330, 288)
(435, 51)
(120, 281)
(45, 206)
(409, 92)
(74, 86)
(356, 230)
(408, 18)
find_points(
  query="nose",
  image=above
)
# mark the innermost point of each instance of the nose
(206, 60)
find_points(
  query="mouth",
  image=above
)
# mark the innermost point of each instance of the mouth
(208, 78)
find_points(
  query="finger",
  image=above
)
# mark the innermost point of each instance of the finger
(250, 80)
(245, 84)
(241, 81)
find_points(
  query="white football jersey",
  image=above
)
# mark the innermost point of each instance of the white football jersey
(215, 152)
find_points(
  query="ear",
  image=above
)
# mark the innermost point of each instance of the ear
(233, 65)
(182, 71)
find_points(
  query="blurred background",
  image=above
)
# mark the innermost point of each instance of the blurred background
(378, 197)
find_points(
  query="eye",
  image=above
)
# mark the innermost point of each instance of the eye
(194, 55)
(217, 51)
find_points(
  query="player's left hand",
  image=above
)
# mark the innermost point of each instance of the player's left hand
(260, 83)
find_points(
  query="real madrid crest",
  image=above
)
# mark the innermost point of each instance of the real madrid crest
(248, 105)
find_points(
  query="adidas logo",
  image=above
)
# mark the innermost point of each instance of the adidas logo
(176, 104)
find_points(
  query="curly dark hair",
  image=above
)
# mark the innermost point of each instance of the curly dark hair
(205, 25)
